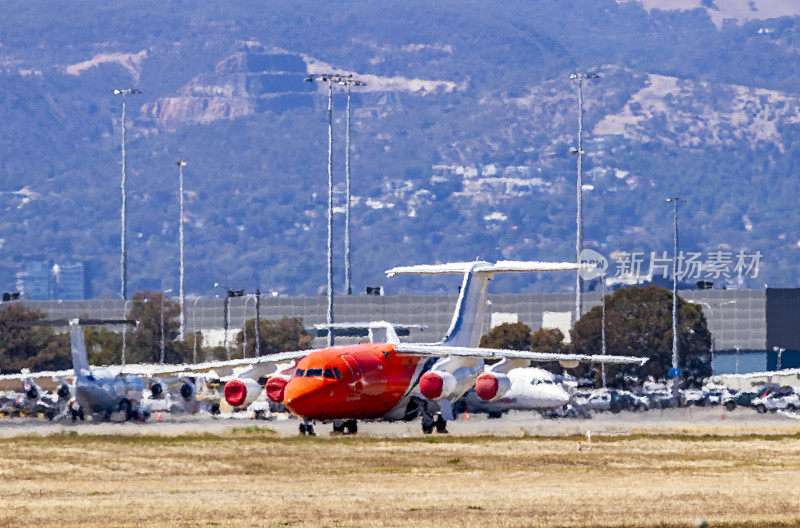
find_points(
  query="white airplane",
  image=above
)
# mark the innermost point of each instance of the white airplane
(529, 389)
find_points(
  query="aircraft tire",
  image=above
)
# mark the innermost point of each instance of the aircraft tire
(730, 406)
(427, 420)
(350, 427)
(441, 425)
(761, 408)
(495, 414)
(302, 429)
(127, 408)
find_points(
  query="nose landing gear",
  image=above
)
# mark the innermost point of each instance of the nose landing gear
(345, 427)
(307, 428)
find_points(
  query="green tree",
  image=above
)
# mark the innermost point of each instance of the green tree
(549, 340)
(284, 335)
(34, 348)
(639, 323)
(144, 343)
(103, 346)
(510, 336)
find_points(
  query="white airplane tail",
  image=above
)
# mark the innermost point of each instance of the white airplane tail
(80, 359)
(466, 326)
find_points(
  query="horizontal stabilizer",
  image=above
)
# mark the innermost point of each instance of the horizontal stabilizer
(361, 329)
(71, 322)
(486, 268)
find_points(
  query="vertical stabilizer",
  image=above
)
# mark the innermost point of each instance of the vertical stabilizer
(80, 360)
(466, 326)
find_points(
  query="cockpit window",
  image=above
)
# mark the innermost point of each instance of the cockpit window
(310, 373)
(299, 373)
(329, 373)
(337, 372)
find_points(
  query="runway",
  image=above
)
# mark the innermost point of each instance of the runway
(689, 420)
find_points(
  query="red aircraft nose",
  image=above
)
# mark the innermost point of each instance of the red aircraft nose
(305, 397)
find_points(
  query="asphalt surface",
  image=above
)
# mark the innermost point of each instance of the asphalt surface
(692, 420)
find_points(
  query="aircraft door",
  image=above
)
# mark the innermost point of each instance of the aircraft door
(358, 377)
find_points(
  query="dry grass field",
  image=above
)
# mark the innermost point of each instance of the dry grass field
(249, 477)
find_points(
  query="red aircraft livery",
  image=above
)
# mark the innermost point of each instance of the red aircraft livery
(390, 380)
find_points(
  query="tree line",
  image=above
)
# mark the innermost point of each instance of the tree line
(638, 322)
(48, 348)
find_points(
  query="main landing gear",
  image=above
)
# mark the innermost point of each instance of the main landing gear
(345, 427)
(431, 421)
(307, 428)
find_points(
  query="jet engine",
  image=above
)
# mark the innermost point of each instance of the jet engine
(156, 390)
(436, 385)
(275, 386)
(63, 391)
(188, 390)
(241, 392)
(31, 391)
(491, 386)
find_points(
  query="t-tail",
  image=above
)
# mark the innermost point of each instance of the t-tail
(80, 359)
(466, 326)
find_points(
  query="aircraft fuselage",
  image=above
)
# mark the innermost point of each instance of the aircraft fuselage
(364, 381)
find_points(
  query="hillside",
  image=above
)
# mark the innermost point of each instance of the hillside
(461, 138)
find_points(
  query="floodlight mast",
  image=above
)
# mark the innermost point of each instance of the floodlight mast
(674, 200)
(349, 82)
(329, 79)
(124, 213)
(603, 330)
(181, 164)
(579, 217)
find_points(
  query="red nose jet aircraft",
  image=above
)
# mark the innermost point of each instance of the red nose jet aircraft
(390, 380)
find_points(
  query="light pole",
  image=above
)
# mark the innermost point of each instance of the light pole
(579, 217)
(244, 327)
(124, 211)
(675, 200)
(603, 330)
(779, 351)
(194, 329)
(181, 164)
(258, 322)
(329, 78)
(124, 329)
(737, 358)
(349, 82)
(228, 295)
(163, 343)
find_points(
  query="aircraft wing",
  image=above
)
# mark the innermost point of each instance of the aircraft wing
(38, 375)
(147, 369)
(434, 350)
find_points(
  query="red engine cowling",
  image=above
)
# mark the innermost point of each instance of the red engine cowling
(435, 385)
(491, 386)
(241, 392)
(275, 386)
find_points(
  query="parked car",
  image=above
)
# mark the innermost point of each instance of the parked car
(695, 397)
(633, 401)
(662, 399)
(743, 399)
(777, 400)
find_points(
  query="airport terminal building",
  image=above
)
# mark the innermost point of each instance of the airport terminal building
(751, 329)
